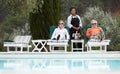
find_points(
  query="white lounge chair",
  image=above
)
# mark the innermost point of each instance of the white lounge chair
(101, 44)
(19, 42)
(57, 43)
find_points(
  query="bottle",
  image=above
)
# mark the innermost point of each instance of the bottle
(76, 35)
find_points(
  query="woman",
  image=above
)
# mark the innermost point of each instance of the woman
(60, 33)
(74, 23)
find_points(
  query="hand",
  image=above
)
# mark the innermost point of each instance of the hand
(78, 28)
(75, 28)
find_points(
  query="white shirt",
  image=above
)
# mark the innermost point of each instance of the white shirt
(61, 32)
(70, 18)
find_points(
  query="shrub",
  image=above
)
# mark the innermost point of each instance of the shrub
(1, 47)
(106, 19)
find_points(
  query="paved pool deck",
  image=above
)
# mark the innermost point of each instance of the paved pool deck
(58, 72)
(93, 54)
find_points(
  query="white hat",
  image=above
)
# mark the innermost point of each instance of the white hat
(93, 21)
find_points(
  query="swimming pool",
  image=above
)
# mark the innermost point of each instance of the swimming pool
(59, 63)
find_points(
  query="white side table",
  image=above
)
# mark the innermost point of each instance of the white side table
(77, 41)
(36, 43)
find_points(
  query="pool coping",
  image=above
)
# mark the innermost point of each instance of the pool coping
(103, 55)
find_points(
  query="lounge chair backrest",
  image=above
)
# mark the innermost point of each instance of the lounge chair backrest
(89, 26)
(16, 39)
(22, 39)
(102, 26)
(27, 39)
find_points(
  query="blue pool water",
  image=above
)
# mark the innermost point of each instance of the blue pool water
(40, 64)
(60, 63)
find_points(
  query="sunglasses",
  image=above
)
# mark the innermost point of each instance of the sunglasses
(94, 23)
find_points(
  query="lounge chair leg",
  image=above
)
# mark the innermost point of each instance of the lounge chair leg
(21, 49)
(50, 48)
(105, 48)
(28, 49)
(100, 48)
(7, 49)
(15, 48)
(87, 48)
(65, 48)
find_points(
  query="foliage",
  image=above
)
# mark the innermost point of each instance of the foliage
(10, 25)
(104, 18)
(1, 47)
(81, 6)
(16, 15)
(20, 7)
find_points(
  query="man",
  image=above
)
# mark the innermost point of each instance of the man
(95, 32)
(60, 33)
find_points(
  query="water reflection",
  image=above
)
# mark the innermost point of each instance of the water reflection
(58, 64)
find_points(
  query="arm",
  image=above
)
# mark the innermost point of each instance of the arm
(67, 34)
(69, 22)
(80, 23)
(102, 33)
(54, 34)
(88, 33)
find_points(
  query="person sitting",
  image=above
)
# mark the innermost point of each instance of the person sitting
(60, 33)
(95, 33)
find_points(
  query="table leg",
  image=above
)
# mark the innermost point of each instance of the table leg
(71, 46)
(35, 46)
(105, 48)
(82, 46)
(15, 48)
(43, 46)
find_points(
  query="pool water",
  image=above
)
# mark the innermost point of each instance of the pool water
(64, 65)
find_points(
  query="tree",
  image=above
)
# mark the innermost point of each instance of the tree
(41, 20)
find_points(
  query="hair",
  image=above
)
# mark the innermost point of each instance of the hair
(60, 21)
(73, 8)
(93, 21)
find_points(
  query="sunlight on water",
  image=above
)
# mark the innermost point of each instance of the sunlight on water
(59, 66)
